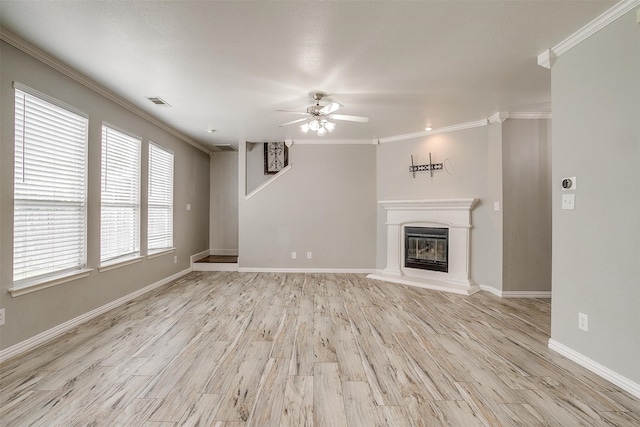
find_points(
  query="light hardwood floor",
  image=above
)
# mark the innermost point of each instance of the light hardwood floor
(257, 349)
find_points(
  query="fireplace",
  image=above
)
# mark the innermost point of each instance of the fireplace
(428, 244)
(426, 248)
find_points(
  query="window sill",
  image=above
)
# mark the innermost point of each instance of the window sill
(160, 253)
(49, 282)
(119, 263)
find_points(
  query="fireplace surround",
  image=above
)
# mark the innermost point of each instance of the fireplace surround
(452, 215)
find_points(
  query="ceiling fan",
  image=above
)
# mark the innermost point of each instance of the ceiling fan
(318, 116)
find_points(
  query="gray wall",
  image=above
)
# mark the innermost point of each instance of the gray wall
(223, 210)
(526, 161)
(472, 158)
(33, 313)
(596, 250)
(325, 204)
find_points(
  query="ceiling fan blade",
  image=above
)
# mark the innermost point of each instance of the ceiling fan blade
(294, 112)
(360, 119)
(293, 121)
(328, 109)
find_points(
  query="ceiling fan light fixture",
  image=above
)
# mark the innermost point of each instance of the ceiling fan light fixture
(314, 125)
(317, 115)
(330, 126)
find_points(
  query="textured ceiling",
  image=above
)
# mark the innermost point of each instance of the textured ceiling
(230, 65)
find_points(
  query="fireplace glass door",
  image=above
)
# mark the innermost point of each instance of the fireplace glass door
(426, 248)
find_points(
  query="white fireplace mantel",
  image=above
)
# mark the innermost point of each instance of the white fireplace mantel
(429, 204)
(454, 214)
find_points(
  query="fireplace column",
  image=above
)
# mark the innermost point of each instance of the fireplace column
(394, 236)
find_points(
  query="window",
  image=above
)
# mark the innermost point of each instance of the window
(160, 225)
(120, 199)
(49, 219)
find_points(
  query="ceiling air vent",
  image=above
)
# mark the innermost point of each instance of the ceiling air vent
(158, 101)
(224, 147)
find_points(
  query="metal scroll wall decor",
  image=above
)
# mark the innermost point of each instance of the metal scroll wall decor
(276, 157)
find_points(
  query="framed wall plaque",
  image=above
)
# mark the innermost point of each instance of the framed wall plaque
(276, 157)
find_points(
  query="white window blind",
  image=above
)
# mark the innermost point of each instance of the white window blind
(49, 220)
(120, 196)
(160, 203)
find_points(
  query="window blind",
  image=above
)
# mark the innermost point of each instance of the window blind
(49, 221)
(120, 196)
(160, 202)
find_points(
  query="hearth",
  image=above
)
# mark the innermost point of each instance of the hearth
(426, 248)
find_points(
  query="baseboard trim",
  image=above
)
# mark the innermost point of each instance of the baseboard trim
(305, 270)
(231, 252)
(598, 369)
(516, 294)
(200, 255)
(526, 294)
(55, 332)
(215, 266)
(492, 290)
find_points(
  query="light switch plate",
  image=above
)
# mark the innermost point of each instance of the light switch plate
(569, 201)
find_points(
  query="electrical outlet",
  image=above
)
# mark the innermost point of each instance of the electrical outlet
(175, 259)
(309, 255)
(583, 322)
(294, 255)
(1, 316)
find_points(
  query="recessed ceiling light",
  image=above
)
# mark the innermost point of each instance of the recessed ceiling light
(428, 128)
(211, 131)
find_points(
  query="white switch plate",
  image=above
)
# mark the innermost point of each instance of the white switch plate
(569, 201)
(496, 206)
(583, 322)
(188, 206)
(309, 255)
(1, 316)
(293, 255)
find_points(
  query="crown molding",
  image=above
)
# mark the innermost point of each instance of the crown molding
(59, 66)
(499, 117)
(546, 58)
(462, 126)
(334, 142)
(531, 115)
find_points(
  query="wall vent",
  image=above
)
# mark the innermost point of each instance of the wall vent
(158, 101)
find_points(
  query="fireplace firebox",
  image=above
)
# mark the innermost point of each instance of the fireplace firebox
(426, 248)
